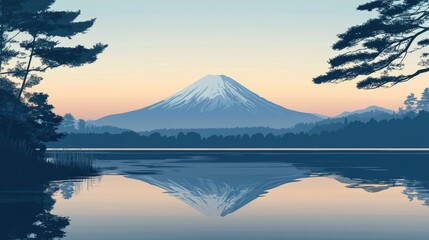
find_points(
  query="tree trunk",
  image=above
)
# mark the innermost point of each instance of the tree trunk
(24, 82)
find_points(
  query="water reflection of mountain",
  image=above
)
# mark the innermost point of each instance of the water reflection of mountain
(214, 194)
(220, 183)
(210, 187)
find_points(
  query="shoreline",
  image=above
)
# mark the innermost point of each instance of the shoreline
(248, 149)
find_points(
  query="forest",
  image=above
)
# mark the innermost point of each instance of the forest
(408, 132)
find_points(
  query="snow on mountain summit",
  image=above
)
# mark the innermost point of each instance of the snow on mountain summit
(210, 93)
(215, 101)
(213, 86)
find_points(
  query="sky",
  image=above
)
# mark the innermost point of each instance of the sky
(158, 47)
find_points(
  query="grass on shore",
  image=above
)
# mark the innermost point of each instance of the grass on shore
(20, 164)
(73, 161)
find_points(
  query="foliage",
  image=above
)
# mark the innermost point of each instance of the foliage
(423, 104)
(405, 132)
(73, 162)
(33, 123)
(39, 29)
(81, 125)
(329, 124)
(31, 34)
(68, 123)
(376, 49)
(71, 125)
(18, 151)
(413, 104)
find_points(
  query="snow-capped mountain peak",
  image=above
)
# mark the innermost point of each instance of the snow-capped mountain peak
(215, 101)
(212, 86)
(210, 93)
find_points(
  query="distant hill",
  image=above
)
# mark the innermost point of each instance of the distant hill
(215, 101)
(366, 110)
(406, 132)
(339, 122)
(94, 129)
(326, 125)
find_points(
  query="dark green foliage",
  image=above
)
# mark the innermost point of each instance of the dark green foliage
(410, 103)
(39, 25)
(71, 125)
(81, 125)
(33, 121)
(22, 163)
(405, 132)
(30, 43)
(68, 123)
(18, 152)
(328, 125)
(376, 49)
(423, 104)
(413, 104)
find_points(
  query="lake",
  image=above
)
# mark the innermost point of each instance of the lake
(299, 194)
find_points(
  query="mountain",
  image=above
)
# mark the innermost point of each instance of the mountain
(213, 188)
(215, 101)
(221, 195)
(366, 110)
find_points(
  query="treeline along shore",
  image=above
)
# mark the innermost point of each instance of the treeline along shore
(408, 132)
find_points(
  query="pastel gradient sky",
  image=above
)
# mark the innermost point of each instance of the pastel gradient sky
(158, 47)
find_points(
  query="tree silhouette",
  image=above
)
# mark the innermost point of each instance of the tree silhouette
(44, 123)
(34, 121)
(30, 34)
(410, 103)
(81, 125)
(407, 130)
(423, 104)
(68, 123)
(376, 49)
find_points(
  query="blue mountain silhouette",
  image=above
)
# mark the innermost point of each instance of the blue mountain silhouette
(215, 101)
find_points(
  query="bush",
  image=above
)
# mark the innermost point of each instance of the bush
(18, 152)
(23, 165)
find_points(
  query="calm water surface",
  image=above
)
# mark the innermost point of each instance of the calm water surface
(232, 195)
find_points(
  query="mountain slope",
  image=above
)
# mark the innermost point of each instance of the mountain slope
(213, 188)
(367, 110)
(215, 101)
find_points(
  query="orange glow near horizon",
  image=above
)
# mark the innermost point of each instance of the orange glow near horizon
(156, 48)
(91, 96)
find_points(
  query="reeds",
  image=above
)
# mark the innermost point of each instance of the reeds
(22, 163)
(14, 151)
(73, 162)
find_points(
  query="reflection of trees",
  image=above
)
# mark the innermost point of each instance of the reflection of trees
(374, 171)
(415, 191)
(25, 214)
(67, 189)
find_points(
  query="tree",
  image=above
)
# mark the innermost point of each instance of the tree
(68, 123)
(34, 120)
(30, 34)
(81, 125)
(376, 49)
(44, 123)
(410, 103)
(423, 103)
